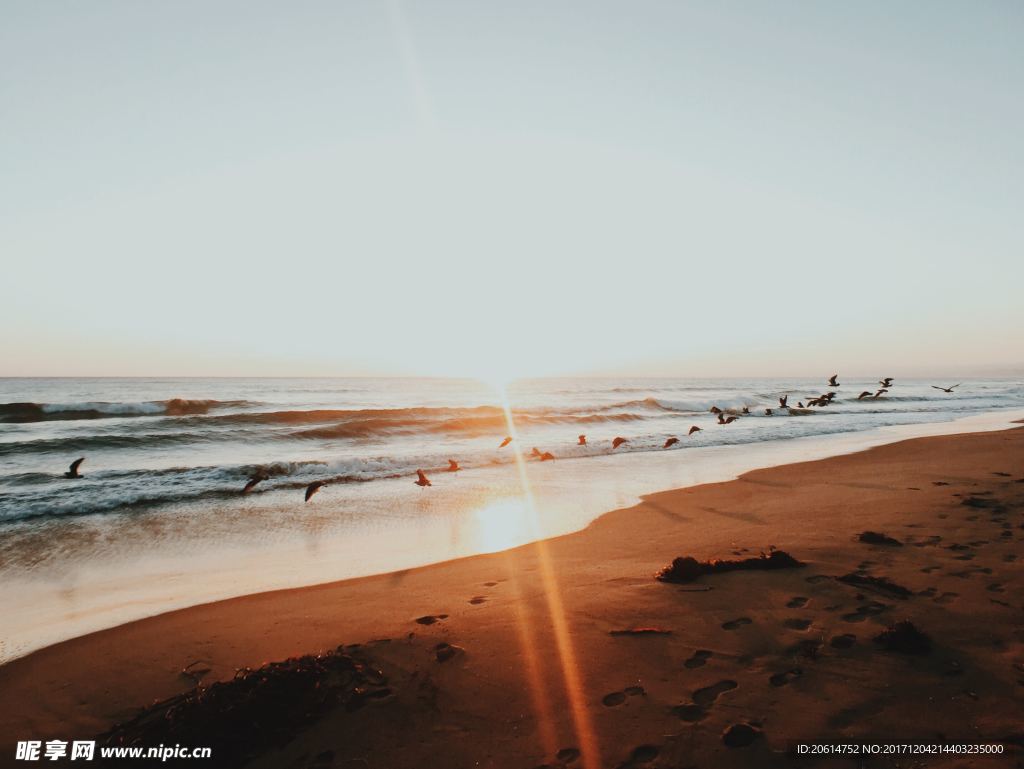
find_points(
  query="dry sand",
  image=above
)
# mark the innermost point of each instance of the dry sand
(540, 668)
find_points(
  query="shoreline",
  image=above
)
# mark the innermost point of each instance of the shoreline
(536, 651)
(78, 598)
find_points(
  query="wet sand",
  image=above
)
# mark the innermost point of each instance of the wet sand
(546, 670)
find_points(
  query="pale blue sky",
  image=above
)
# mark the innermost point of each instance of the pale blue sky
(504, 189)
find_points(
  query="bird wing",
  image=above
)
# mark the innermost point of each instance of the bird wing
(421, 475)
(75, 465)
(936, 387)
(956, 385)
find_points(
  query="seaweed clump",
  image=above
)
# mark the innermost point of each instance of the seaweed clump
(877, 584)
(878, 538)
(904, 637)
(686, 568)
(257, 710)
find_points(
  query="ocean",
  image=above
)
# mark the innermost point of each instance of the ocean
(159, 520)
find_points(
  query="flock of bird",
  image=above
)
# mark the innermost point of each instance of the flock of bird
(544, 456)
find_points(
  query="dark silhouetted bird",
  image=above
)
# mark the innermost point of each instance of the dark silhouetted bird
(505, 442)
(73, 469)
(453, 466)
(832, 381)
(783, 400)
(618, 442)
(671, 442)
(313, 488)
(723, 421)
(546, 456)
(887, 382)
(715, 410)
(581, 441)
(946, 389)
(693, 430)
(255, 478)
(422, 480)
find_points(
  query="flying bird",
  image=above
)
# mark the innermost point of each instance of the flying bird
(422, 480)
(880, 393)
(535, 452)
(783, 400)
(832, 381)
(313, 488)
(453, 466)
(693, 430)
(729, 421)
(946, 389)
(504, 443)
(671, 442)
(582, 441)
(864, 395)
(253, 480)
(73, 469)
(715, 410)
(768, 412)
(887, 382)
(800, 404)
(618, 442)
(546, 456)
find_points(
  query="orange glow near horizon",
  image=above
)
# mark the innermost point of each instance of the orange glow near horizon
(568, 664)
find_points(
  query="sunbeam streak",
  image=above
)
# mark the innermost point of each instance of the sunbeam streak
(568, 664)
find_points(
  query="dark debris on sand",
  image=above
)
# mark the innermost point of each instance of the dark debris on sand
(686, 568)
(876, 584)
(904, 637)
(258, 710)
(878, 538)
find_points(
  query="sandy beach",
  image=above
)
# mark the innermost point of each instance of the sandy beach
(519, 659)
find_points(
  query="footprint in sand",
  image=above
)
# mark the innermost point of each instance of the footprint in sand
(735, 623)
(797, 602)
(1009, 558)
(844, 641)
(617, 698)
(947, 598)
(643, 754)
(996, 587)
(930, 569)
(929, 592)
(613, 699)
(781, 679)
(816, 578)
(490, 584)
(567, 755)
(740, 735)
(703, 698)
(706, 695)
(477, 600)
(430, 619)
(699, 659)
(795, 623)
(445, 651)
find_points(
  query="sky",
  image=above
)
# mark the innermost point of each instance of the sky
(494, 189)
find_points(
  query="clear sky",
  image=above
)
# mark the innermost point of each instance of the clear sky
(502, 189)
